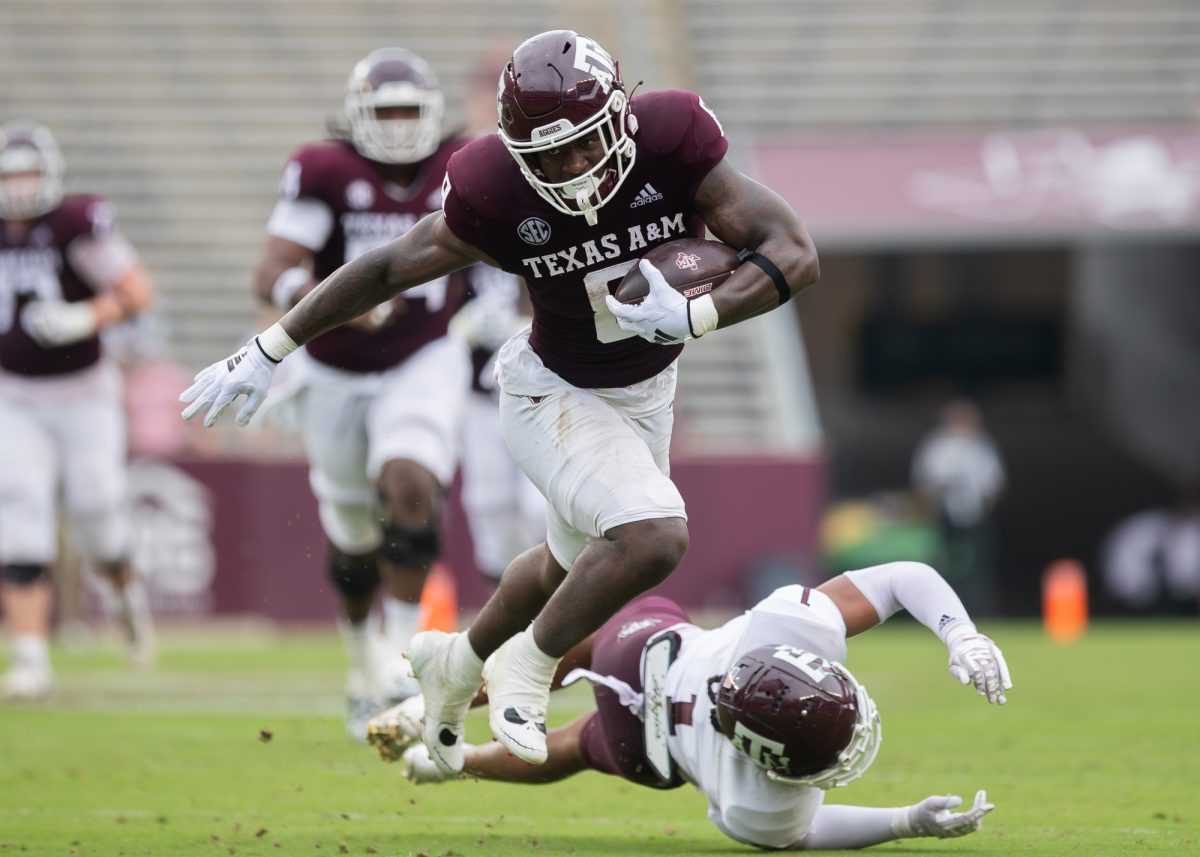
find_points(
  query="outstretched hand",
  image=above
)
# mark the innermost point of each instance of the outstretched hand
(975, 659)
(933, 816)
(246, 372)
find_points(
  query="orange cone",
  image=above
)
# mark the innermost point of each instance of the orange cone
(1064, 600)
(439, 601)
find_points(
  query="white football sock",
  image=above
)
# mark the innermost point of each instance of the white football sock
(400, 622)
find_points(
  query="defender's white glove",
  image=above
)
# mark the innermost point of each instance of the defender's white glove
(932, 817)
(975, 659)
(246, 372)
(488, 321)
(664, 316)
(55, 323)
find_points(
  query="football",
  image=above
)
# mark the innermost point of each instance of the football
(691, 266)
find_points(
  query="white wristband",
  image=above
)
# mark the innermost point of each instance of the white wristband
(702, 315)
(287, 284)
(275, 343)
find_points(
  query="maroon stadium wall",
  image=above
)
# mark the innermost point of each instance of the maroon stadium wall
(242, 537)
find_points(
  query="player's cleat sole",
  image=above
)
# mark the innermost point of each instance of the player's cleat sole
(397, 729)
(447, 697)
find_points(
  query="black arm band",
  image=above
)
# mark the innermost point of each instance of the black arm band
(768, 267)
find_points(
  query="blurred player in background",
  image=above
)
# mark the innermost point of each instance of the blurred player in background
(504, 510)
(380, 400)
(759, 714)
(578, 184)
(66, 273)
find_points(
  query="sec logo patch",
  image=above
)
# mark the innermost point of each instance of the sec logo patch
(534, 230)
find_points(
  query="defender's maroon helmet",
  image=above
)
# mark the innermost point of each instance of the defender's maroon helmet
(801, 717)
(394, 77)
(559, 88)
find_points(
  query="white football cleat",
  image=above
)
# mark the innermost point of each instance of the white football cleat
(29, 681)
(448, 691)
(362, 703)
(517, 704)
(397, 729)
(421, 769)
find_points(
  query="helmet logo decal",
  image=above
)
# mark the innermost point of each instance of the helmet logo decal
(767, 753)
(534, 230)
(593, 59)
(810, 664)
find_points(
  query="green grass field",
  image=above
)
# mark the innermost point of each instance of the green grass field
(1097, 753)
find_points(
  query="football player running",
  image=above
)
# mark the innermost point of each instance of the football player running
(578, 183)
(760, 714)
(379, 400)
(66, 273)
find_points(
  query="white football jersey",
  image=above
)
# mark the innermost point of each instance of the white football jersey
(742, 801)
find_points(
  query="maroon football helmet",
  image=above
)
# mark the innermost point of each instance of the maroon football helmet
(31, 170)
(801, 717)
(561, 87)
(394, 77)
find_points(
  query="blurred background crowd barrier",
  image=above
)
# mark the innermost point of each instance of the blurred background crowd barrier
(1005, 196)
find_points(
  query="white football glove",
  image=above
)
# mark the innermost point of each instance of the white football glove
(488, 321)
(246, 372)
(933, 816)
(55, 323)
(664, 316)
(975, 659)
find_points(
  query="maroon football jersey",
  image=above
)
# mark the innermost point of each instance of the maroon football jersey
(569, 266)
(34, 266)
(368, 212)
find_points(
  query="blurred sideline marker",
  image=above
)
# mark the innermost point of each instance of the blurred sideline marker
(1064, 600)
(439, 601)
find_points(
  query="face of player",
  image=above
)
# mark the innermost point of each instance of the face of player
(22, 188)
(384, 114)
(571, 160)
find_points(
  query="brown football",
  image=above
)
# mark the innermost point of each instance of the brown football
(691, 266)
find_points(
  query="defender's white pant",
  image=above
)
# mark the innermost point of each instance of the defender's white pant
(600, 457)
(63, 436)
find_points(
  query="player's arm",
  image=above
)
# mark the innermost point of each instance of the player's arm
(745, 214)
(837, 828)
(284, 273)
(779, 260)
(122, 284)
(869, 596)
(427, 251)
